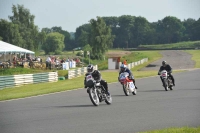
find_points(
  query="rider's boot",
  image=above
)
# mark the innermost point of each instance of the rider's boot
(108, 92)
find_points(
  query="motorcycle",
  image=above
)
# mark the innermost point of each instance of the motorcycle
(127, 84)
(97, 92)
(167, 81)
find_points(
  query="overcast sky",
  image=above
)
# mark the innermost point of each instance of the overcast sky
(70, 14)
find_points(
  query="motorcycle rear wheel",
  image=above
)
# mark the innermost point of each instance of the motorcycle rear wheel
(94, 97)
(108, 99)
(134, 92)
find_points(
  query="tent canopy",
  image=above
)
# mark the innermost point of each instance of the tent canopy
(9, 48)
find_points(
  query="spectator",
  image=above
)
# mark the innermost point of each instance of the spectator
(38, 59)
(48, 62)
(125, 62)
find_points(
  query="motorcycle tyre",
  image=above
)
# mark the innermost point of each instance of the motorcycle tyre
(126, 92)
(171, 88)
(91, 97)
(108, 99)
(134, 92)
(166, 85)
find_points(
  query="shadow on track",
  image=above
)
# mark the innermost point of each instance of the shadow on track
(118, 95)
(154, 91)
(74, 106)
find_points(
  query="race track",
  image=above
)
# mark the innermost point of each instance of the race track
(73, 112)
(177, 59)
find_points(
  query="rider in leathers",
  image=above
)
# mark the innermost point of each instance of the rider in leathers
(168, 68)
(125, 69)
(97, 77)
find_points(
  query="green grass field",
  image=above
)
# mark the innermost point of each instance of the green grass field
(188, 44)
(195, 56)
(176, 130)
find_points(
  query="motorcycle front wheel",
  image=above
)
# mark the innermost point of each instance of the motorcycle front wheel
(126, 91)
(93, 96)
(166, 85)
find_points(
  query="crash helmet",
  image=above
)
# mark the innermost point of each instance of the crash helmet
(164, 63)
(123, 67)
(90, 68)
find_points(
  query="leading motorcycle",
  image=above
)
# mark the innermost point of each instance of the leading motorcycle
(167, 81)
(127, 84)
(97, 92)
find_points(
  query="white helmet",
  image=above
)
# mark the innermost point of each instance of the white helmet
(123, 67)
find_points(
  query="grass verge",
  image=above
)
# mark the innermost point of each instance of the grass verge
(195, 57)
(176, 130)
(188, 44)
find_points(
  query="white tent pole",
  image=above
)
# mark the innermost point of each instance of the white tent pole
(4, 56)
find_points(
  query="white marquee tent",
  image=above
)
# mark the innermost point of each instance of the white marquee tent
(7, 49)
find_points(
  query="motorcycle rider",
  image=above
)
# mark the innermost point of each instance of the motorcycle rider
(97, 77)
(168, 68)
(125, 69)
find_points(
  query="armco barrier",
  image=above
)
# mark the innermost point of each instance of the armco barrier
(78, 72)
(133, 64)
(23, 79)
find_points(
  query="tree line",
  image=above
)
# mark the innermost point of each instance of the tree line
(98, 35)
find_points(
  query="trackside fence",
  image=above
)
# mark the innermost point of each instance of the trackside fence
(78, 72)
(23, 79)
(131, 65)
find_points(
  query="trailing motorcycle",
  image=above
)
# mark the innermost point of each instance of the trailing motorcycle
(167, 81)
(97, 92)
(127, 84)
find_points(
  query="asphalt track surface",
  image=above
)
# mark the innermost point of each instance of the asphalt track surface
(176, 58)
(72, 111)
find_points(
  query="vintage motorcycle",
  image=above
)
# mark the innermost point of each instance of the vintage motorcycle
(167, 81)
(127, 84)
(97, 92)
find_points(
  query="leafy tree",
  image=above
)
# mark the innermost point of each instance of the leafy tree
(10, 33)
(113, 23)
(27, 29)
(82, 35)
(83, 38)
(195, 30)
(54, 42)
(173, 29)
(187, 34)
(61, 31)
(126, 23)
(46, 30)
(101, 38)
(139, 31)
